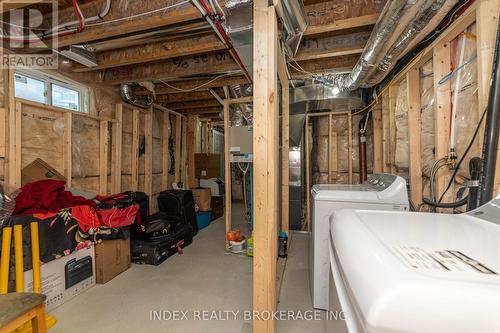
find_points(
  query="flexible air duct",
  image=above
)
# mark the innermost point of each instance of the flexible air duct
(128, 96)
(401, 25)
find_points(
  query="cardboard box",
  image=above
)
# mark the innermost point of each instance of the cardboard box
(39, 170)
(202, 197)
(65, 278)
(207, 165)
(112, 257)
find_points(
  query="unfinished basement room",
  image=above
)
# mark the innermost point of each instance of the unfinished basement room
(250, 166)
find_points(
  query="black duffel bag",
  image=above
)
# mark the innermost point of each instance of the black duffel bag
(179, 203)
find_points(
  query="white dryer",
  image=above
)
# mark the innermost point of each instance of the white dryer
(417, 272)
(380, 192)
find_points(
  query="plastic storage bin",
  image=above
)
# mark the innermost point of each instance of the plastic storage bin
(203, 219)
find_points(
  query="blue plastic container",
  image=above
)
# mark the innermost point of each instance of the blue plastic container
(203, 219)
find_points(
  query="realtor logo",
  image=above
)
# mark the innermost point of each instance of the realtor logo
(29, 39)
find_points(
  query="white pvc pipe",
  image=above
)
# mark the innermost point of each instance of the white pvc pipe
(455, 94)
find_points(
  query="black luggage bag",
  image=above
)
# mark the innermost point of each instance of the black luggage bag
(141, 199)
(156, 251)
(156, 226)
(179, 203)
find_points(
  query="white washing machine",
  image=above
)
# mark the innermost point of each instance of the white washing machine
(416, 272)
(380, 192)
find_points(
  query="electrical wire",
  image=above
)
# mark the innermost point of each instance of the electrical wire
(78, 14)
(198, 87)
(245, 200)
(140, 14)
(455, 171)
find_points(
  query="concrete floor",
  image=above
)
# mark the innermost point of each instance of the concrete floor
(203, 278)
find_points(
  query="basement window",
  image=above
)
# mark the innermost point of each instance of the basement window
(47, 89)
(66, 98)
(29, 88)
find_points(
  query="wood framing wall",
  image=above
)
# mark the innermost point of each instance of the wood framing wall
(96, 154)
(484, 15)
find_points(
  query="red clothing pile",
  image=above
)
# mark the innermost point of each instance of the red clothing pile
(45, 196)
(48, 197)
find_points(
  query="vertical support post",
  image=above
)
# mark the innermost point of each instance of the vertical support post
(103, 157)
(178, 147)
(393, 97)
(386, 141)
(67, 150)
(266, 148)
(165, 167)
(414, 132)
(185, 167)
(349, 149)
(148, 156)
(227, 169)
(15, 112)
(116, 157)
(377, 139)
(190, 149)
(330, 148)
(135, 150)
(441, 63)
(285, 163)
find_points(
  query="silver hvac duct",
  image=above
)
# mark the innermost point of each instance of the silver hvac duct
(239, 26)
(128, 96)
(313, 96)
(401, 25)
(293, 16)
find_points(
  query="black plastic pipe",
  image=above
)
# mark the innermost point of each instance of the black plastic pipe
(475, 174)
(492, 131)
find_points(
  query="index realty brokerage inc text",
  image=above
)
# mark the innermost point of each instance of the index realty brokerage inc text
(225, 315)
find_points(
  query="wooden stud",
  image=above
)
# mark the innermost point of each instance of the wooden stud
(227, 169)
(148, 155)
(165, 160)
(386, 141)
(266, 146)
(178, 147)
(393, 97)
(329, 149)
(333, 158)
(349, 147)
(190, 150)
(285, 190)
(67, 150)
(184, 165)
(14, 167)
(116, 152)
(135, 150)
(414, 133)
(441, 64)
(377, 139)
(103, 157)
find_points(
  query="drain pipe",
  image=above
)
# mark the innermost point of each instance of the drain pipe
(221, 33)
(491, 132)
(473, 184)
